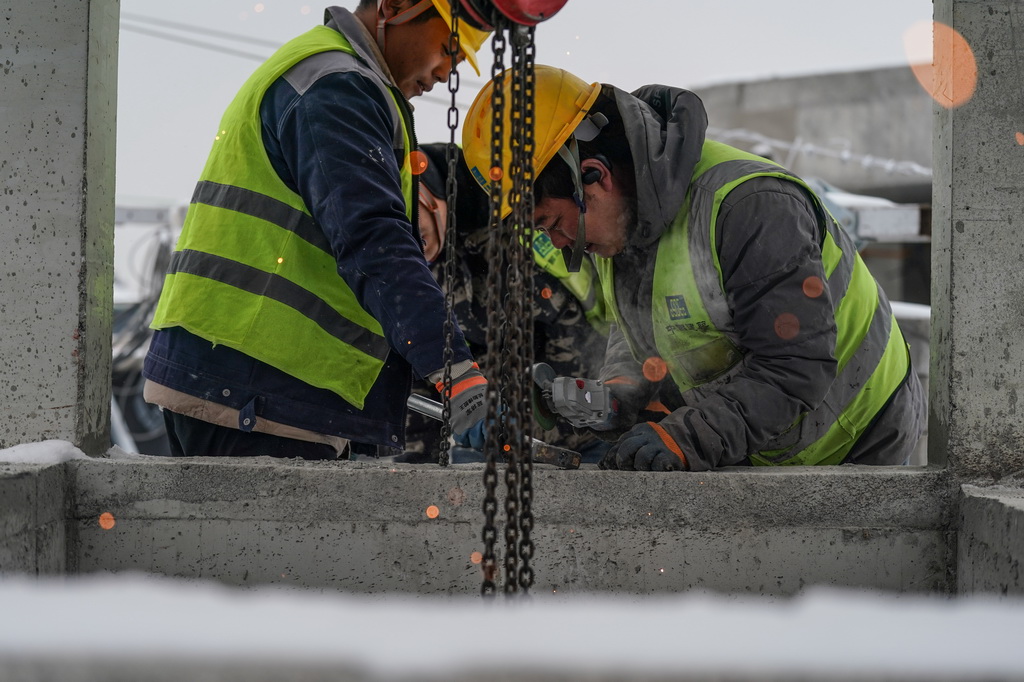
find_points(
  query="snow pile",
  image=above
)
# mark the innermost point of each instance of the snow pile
(44, 452)
(824, 632)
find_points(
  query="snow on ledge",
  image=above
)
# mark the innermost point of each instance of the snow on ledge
(43, 452)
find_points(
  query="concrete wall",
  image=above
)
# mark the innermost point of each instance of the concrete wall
(33, 513)
(977, 349)
(864, 131)
(58, 78)
(990, 544)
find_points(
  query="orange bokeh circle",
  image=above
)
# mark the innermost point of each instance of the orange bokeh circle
(107, 521)
(813, 287)
(419, 162)
(949, 72)
(655, 369)
(787, 326)
(433, 512)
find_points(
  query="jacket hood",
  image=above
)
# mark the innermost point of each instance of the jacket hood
(665, 128)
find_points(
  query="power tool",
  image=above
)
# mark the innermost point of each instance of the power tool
(540, 452)
(581, 402)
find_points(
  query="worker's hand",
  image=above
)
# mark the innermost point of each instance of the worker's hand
(467, 404)
(645, 447)
(627, 397)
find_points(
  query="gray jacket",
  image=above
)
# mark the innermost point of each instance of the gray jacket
(768, 237)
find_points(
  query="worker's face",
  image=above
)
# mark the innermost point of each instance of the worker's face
(608, 217)
(417, 55)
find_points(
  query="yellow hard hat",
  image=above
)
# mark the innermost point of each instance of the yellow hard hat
(470, 39)
(561, 102)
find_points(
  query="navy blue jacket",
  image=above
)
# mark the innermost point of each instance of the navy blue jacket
(331, 145)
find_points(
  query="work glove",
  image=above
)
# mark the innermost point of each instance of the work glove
(628, 396)
(468, 407)
(645, 447)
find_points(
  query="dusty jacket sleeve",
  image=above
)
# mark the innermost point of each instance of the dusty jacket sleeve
(770, 253)
(335, 142)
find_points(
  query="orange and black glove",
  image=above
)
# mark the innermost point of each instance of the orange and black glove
(467, 404)
(645, 447)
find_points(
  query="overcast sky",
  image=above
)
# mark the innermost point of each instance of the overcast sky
(172, 92)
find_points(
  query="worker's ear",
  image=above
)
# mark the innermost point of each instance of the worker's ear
(392, 7)
(595, 170)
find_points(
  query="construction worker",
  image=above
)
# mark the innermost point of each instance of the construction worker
(570, 332)
(298, 304)
(736, 297)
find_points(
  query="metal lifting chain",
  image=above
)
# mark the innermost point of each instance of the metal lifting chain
(519, 315)
(525, 75)
(448, 276)
(495, 260)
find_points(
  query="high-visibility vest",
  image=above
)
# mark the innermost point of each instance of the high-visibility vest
(252, 270)
(583, 284)
(695, 336)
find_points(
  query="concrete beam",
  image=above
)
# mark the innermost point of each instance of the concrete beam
(33, 538)
(977, 350)
(990, 545)
(363, 527)
(58, 88)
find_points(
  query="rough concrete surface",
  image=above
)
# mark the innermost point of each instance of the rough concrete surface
(33, 519)
(990, 548)
(363, 526)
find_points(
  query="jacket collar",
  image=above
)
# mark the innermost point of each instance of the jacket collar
(346, 23)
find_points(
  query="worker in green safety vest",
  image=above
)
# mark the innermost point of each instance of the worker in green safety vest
(297, 305)
(569, 330)
(736, 298)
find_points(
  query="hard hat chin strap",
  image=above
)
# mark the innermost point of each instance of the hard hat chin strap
(569, 152)
(400, 18)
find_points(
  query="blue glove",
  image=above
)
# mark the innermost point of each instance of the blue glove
(467, 405)
(645, 447)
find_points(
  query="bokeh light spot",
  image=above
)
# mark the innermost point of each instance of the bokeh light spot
(419, 162)
(546, 293)
(107, 521)
(947, 71)
(506, 447)
(787, 326)
(1020, 138)
(813, 287)
(655, 369)
(433, 512)
(476, 557)
(496, 173)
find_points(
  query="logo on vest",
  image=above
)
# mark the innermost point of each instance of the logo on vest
(542, 245)
(677, 309)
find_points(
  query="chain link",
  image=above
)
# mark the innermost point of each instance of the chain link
(495, 259)
(526, 76)
(448, 270)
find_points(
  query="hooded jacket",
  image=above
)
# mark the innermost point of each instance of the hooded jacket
(768, 240)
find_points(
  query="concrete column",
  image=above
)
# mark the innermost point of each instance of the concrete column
(58, 84)
(977, 359)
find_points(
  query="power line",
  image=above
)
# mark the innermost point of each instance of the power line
(193, 43)
(201, 29)
(213, 47)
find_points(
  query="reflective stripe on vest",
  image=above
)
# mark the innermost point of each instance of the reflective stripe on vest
(695, 336)
(252, 270)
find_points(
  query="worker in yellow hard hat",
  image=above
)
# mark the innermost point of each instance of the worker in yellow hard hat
(298, 304)
(737, 299)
